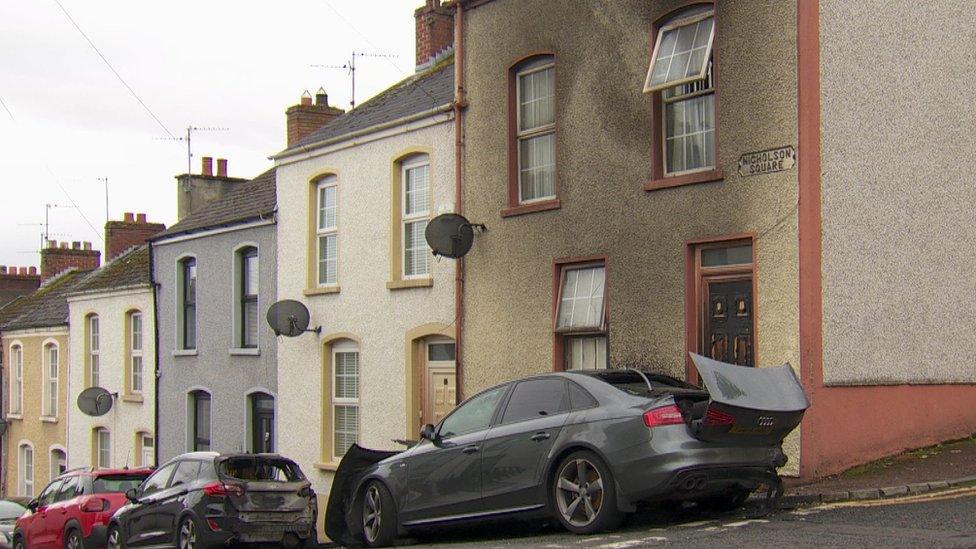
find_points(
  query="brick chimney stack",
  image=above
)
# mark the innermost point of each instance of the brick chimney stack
(59, 257)
(133, 230)
(435, 33)
(17, 281)
(304, 118)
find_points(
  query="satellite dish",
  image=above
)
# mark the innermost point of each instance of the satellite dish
(95, 401)
(451, 235)
(290, 318)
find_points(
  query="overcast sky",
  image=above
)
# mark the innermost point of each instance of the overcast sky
(236, 64)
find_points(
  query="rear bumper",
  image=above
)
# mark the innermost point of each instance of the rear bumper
(675, 465)
(232, 529)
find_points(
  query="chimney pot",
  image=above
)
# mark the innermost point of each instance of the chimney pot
(141, 218)
(76, 245)
(64, 245)
(127, 217)
(22, 271)
(32, 271)
(86, 245)
(306, 98)
(3, 269)
(222, 167)
(207, 168)
(322, 98)
(52, 243)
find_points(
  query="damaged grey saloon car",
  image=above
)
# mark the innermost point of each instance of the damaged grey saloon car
(582, 447)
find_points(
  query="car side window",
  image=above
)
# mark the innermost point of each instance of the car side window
(474, 415)
(186, 472)
(158, 481)
(537, 398)
(47, 496)
(69, 489)
(580, 398)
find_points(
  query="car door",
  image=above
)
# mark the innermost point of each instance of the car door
(40, 531)
(516, 448)
(142, 527)
(60, 511)
(444, 476)
(172, 500)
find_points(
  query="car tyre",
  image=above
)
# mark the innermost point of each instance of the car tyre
(73, 540)
(19, 543)
(378, 512)
(583, 494)
(187, 534)
(114, 538)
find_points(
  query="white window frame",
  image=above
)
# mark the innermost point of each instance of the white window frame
(136, 353)
(191, 417)
(94, 353)
(539, 131)
(50, 385)
(564, 273)
(99, 431)
(325, 232)
(16, 380)
(25, 487)
(410, 218)
(147, 460)
(340, 348)
(180, 332)
(691, 19)
(55, 472)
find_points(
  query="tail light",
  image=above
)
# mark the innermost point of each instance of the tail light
(213, 525)
(95, 505)
(222, 490)
(665, 415)
(714, 417)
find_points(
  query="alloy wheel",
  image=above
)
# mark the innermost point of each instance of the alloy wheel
(114, 539)
(188, 535)
(579, 492)
(74, 541)
(372, 514)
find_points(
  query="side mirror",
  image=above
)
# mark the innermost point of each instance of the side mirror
(32, 505)
(132, 494)
(427, 432)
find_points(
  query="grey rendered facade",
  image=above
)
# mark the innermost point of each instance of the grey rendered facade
(229, 374)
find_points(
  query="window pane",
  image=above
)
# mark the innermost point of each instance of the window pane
(137, 373)
(93, 344)
(416, 260)
(327, 207)
(201, 421)
(415, 190)
(536, 99)
(690, 133)
(190, 327)
(95, 369)
(104, 448)
(581, 303)
(440, 351)
(327, 259)
(346, 428)
(682, 53)
(537, 167)
(535, 399)
(250, 333)
(474, 415)
(734, 255)
(347, 375)
(251, 273)
(586, 353)
(136, 332)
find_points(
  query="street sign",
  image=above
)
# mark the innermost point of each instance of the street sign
(768, 161)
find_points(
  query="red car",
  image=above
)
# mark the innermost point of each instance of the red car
(74, 510)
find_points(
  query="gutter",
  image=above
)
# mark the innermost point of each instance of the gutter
(365, 131)
(459, 104)
(155, 302)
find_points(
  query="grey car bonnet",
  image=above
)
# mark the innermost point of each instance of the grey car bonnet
(774, 389)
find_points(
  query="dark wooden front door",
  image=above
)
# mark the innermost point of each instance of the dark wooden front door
(728, 335)
(262, 421)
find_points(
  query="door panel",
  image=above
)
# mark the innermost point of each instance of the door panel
(728, 333)
(441, 386)
(514, 461)
(445, 479)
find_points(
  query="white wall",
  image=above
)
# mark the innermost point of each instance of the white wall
(125, 418)
(365, 307)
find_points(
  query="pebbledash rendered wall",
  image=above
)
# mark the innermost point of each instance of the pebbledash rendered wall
(228, 375)
(379, 318)
(896, 195)
(131, 413)
(603, 159)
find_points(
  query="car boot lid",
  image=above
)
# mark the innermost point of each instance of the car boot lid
(770, 389)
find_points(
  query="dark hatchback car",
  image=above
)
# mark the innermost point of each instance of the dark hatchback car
(205, 499)
(582, 447)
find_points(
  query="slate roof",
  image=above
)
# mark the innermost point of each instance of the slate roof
(125, 271)
(247, 201)
(415, 94)
(46, 307)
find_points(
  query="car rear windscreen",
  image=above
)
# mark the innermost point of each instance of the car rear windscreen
(116, 483)
(260, 469)
(632, 383)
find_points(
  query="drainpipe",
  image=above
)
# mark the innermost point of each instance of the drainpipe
(155, 297)
(459, 104)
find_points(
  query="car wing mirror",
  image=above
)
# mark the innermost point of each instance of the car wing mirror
(132, 494)
(428, 432)
(32, 505)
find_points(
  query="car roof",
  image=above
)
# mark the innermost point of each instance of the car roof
(104, 472)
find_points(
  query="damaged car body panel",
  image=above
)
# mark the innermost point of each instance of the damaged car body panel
(582, 446)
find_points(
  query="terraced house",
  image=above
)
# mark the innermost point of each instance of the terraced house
(669, 177)
(354, 199)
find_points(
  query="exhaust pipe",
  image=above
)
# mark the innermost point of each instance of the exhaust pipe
(693, 483)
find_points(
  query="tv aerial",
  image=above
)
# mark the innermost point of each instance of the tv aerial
(95, 401)
(350, 66)
(290, 318)
(451, 235)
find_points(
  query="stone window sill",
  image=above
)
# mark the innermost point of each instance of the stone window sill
(708, 176)
(15, 416)
(245, 352)
(134, 398)
(331, 466)
(410, 283)
(185, 352)
(533, 207)
(325, 290)
(49, 419)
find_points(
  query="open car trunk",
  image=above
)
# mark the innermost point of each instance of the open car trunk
(746, 406)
